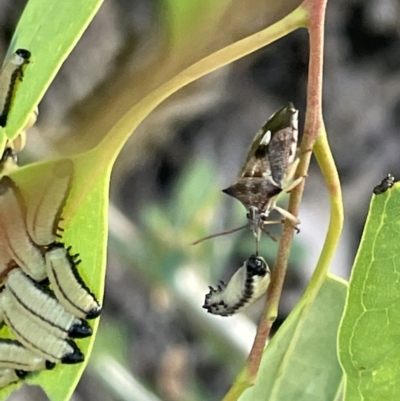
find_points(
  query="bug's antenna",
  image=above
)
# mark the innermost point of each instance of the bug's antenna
(219, 234)
(264, 230)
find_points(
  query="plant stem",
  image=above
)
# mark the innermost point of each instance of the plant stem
(327, 164)
(313, 128)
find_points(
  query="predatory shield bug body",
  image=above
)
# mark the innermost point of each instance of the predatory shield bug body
(269, 170)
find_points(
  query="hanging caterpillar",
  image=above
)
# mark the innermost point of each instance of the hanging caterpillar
(249, 283)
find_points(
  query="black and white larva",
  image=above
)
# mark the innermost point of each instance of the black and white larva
(68, 286)
(13, 355)
(35, 336)
(10, 75)
(249, 283)
(41, 306)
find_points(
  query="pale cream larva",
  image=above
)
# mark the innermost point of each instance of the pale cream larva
(249, 283)
(17, 244)
(45, 207)
(10, 76)
(40, 305)
(69, 288)
(13, 355)
(9, 376)
(35, 337)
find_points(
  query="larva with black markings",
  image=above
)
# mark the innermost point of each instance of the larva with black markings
(13, 355)
(249, 283)
(35, 337)
(10, 75)
(40, 305)
(68, 286)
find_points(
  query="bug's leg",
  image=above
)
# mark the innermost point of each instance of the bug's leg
(290, 176)
(294, 184)
(293, 219)
(292, 170)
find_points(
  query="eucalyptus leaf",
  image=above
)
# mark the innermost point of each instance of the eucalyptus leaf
(370, 331)
(64, 23)
(301, 363)
(85, 223)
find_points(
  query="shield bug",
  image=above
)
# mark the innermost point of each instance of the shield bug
(269, 170)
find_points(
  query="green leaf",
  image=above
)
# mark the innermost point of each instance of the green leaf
(300, 363)
(370, 331)
(49, 30)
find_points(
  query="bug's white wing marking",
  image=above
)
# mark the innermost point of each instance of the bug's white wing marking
(40, 306)
(70, 290)
(249, 283)
(13, 355)
(14, 234)
(266, 138)
(45, 207)
(35, 337)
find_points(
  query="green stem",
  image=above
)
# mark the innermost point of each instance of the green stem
(326, 163)
(120, 133)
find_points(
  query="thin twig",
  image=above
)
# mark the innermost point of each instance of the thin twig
(316, 11)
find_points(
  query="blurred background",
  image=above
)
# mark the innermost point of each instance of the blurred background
(155, 342)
